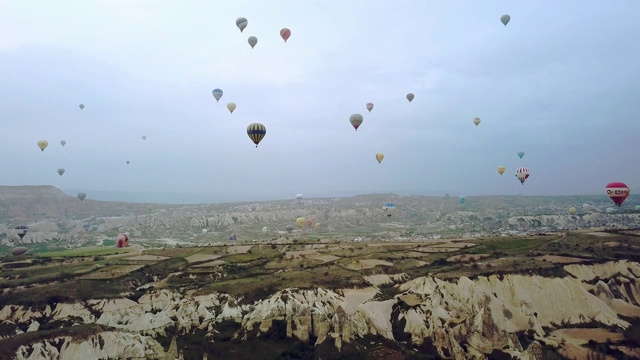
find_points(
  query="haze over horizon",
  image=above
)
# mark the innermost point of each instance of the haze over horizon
(559, 82)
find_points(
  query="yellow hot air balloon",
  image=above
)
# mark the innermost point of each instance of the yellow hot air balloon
(42, 144)
(231, 106)
(572, 210)
(301, 221)
(501, 170)
(379, 157)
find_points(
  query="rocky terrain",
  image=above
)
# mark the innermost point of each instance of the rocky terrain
(421, 285)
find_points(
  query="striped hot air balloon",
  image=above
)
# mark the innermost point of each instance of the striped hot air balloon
(256, 132)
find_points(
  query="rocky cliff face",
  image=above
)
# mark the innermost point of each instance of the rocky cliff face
(467, 318)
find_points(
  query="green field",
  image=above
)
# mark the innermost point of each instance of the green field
(82, 252)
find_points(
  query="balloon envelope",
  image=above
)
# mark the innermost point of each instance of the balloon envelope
(410, 97)
(379, 157)
(356, 120)
(369, 106)
(42, 144)
(252, 41)
(241, 23)
(504, 19)
(285, 33)
(299, 197)
(63, 142)
(265, 230)
(462, 199)
(231, 106)
(60, 171)
(389, 209)
(301, 221)
(572, 210)
(256, 132)
(618, 192)
(476, 121)
(520, 154)
(122, 240)
(217, 94)
(501, 170)
(522, 174)
(81, 196)
(81, 106)
(144, 137)
(19, 251)
(289, 229)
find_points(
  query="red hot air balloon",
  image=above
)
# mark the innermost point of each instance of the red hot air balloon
(122, 240)
(618, 192)
(285, 33)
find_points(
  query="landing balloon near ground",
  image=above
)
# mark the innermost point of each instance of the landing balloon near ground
(241, 23)
(285, 33)
(82, 196)
(356, 120)
(231, 107)
(476, 121)
(410, 97)
(60, 171)
(299, 197)
(572, 210)
(379, 157)
(42, 144)
(289, 228)
(504, 19)
(217, 94)
(389, 209)
(618, 192)
(265, 230)
(522, 174)
(462, 199)
(19, 251)
(501, 170)
(252, 41)
(256, 132)
(369, 106)
(122, 240)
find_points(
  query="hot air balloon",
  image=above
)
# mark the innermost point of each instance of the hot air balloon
(301, 221)
(204, 231)
(289, 229)
(252, 41)
(60, 171)
(128, 162)
(86, 227)
(586, 206)
(122, 240)
(501, 169)
(476, 121)
(144, 137)
(618, 192)
(256, 132)
(356, 120)
(63, 142)
(410, 97)
(572, 210)
(241, 23)
(610, 210)
(21, 230)
(299, 197)
(81, 196)
(522, 174)
(520, 154)
(638, 207)
(369, 106)
(231, 106)
(285, 33)
(19, 251)
(379, 157)
(504, 19)
(389, 209)
(462, 199)
(232, 237)
(42, 144)
(265, 230)
(81, 106)
(309, 222)
(217, 94)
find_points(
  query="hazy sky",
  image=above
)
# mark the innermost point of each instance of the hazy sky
(560, 82)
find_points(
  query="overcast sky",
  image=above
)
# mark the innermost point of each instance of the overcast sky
(561, 82)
